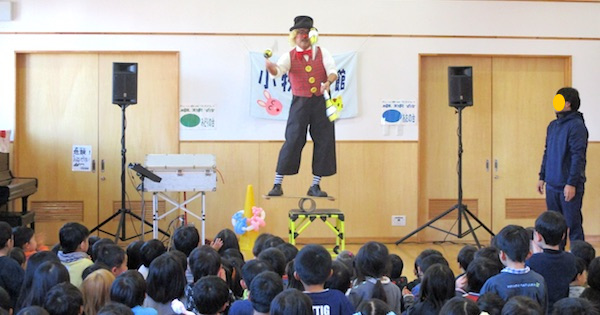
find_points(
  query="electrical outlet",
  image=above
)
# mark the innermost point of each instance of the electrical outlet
(398, 220)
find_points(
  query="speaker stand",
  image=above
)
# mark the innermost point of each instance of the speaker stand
(463, 211)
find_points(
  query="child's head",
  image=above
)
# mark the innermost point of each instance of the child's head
(534, 247)
(211, 295)
(204, 261)
(583, 250)
(397, 266)
(263, 290)
(96, 290)
(513, 241)
(33, 310)
(438, 285)
(273, 242)
(432, 260)
(97, 246)
(166, 279)
(347, 257)
(373, 307)
(275, 257)
(459, 305)
(186, 238)
(581, 276)
(420, 258)
(134, 254)
(129, 288)
(593, 279)
(150, 250)
(47, 275)
(259, 243)
(113, 256)
(491, 303)
(492, 253)
(251, 269)
(340, 277)
(372, 260)
(24, 238)
(520, 304)
(64, 299)
(574, 306)
(6, 236)
(292, 281)
(34, 261)
(93, 267)
(73, 237)
(465, 256)
(290, 251)
(291, 302)
(552, 227)
(313, 264)
(114, 308)
(229, 239)
(234, 274)
(479, 270)
(18, 255)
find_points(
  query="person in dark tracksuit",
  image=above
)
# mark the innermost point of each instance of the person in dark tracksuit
(311, 70)
(563, 164)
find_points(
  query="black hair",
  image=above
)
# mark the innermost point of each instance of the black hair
(129, 288)
(252, 268)
(166, 279)
(397, 266)
(275, 257)
(112, 255)
(593, 279)
(92, 239)
(186, 238)
(33, 310)
(492, 253)
(233, 276)
(584, 250)
(552, 226)
(592, 295)
(97, 247)
(289, 251)
(293, 283)
(71, 235)
(574, 306)
(581, 266)
(93, 267)
(571, 95)
(5, 301)
(18, 255)
(232, 252)
(150, 250)
(263, 290)
(259, 243)
(432, 260)
(313, 264)
(47, 275)
(63, 299)
(514, 242)
(22, 235)
(423, 255)
(372, 260)
(340, 278)
(180, 257)
(204, 261)
(229, 239)
(465, 256)
(5, 234)
(373, 307)
(114, 308)
(347, 257)
(459, 305)
(134, 254)
(291, 302)
(210, 294)
(273, 242)
(479, 271)
(522, 305)
(34, 261)
(438, 285)
(491, 302)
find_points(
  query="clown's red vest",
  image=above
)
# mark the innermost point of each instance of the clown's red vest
(306, 76)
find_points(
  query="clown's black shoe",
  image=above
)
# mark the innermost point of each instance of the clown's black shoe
(315, 191)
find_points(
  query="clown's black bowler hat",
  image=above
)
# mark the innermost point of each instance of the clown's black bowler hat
(302, 21)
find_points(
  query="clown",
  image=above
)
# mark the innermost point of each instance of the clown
(312, 70)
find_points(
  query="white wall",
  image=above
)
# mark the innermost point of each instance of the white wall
(214, 38)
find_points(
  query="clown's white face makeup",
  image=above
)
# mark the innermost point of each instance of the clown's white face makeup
(302, 39)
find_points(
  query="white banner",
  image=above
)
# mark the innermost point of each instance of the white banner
(271, 98)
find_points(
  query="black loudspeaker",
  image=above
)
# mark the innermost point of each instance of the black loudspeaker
(460, 86)
(124, 83)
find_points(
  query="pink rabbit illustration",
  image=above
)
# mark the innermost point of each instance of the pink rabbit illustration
(272, 106)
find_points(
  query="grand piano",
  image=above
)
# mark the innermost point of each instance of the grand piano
(12, 188)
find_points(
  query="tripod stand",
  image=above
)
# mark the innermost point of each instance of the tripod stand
(123, 211)
(463, 211)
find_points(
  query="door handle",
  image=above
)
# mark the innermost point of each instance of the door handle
(93, 166)
(102, 166)
(487, 165)
(496, 169)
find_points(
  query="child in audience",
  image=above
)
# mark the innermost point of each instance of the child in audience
(185, 239)
(292, 282)
(460, 306)
(34, 261)
(47, 275)
(25, 239)
(437, 287)
(584, 250)
(134, 255)
(274, 257)
(64, 299)
(250, 271)
(578, 284)
(478, 272)
(520, 304)
(340, 277)
(396, 271)
(592, 293)
(166, 282)
(129, 288)
(97, 245)
(11, 273)
(263, 290)
(228, 239)
(491, 303)
(464, 258)
(374, 307)
(492, 253)
(73, 254)
(516, 278)
(114, 308)
(204, 261)
(313, 267)
(233, 276)
(556, 266)
(6, 306)
(534, 248)
(413, 286)
(114, 257)
(211, 295)
(18, 255)
(150, 250)
(291, 302)
(33, 310)
(96, 290)
(574, 306)
(372, 262)
(289, 251)
(259, 243)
